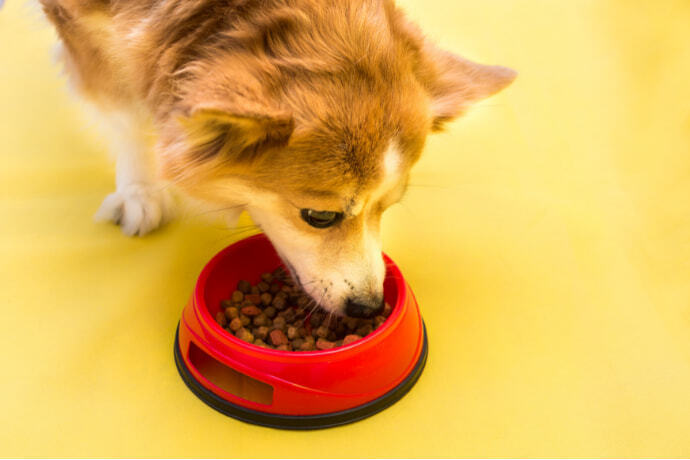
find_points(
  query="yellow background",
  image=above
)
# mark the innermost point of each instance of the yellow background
(546, 235)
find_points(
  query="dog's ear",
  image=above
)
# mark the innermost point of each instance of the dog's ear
(455, 83)
(236, 130)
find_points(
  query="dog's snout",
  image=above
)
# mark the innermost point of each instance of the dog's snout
(357, 309)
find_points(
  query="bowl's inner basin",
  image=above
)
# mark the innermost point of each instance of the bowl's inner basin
(247, 261)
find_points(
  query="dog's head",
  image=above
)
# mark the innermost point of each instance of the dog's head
(313, 128)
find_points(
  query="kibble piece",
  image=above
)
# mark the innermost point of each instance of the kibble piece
(297, 343)
(267, 277)
(244, 286)
(387, 309)
(307, 346)
(237, 296)
(263, 286)
(379, 320)
(323, 344)
(302, 331)
(235, 325)
(260, 320)
(261, 332)
(254, 299)
(279, 322)
(338, 343)
(244, 334)
(275, 288)
(302, 301)
(364, 330)
(322, 331)
(245, 320)
(220, 319)
(261, 343)
(266, 298)
(277, 337)
(283, 347)
(331, 336)
(254, 290)
(315, 320)
(227, 303)
(232, 313)
(289, 315)
(292, 332)
(251, 310)
(351, 323)
(279, 302)
(286, 289)
(351, 338)
(270, 312)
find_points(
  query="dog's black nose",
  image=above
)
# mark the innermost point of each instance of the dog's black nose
(360, 310)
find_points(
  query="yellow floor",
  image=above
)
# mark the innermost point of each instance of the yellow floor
(547, 237)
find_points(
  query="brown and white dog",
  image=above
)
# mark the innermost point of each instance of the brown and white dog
(308, 114)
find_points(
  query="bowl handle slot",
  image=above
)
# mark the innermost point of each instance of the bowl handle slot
(228, 379)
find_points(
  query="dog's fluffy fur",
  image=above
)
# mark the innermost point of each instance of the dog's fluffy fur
(272, 106)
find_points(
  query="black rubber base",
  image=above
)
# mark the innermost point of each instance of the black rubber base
(300, 422)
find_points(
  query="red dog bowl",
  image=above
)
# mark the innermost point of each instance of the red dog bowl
(287, 389)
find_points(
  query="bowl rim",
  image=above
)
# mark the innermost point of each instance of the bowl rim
(206, 320)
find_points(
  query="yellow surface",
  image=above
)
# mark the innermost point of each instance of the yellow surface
(547, 237)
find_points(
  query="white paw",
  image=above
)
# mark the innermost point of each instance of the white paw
(137, 208)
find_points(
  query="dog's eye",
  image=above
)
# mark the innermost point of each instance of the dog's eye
(321, 219)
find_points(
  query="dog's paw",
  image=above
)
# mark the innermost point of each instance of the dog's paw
(137, 208)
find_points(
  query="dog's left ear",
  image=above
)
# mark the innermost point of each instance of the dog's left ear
(455, 83)
(236, 131)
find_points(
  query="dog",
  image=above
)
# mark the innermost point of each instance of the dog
(308, 114)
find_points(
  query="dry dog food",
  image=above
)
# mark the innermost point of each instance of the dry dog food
(277, 314)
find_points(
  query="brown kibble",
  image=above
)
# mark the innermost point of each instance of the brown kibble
(270, 312)
(221, 319)
(292, 332)
(351, 338)
(266, 298)
(254, 299)
(227, 303)
(261, 332)
(302, 331)
(331, 336)
(244, 334)
(289, 315)
(351, 323)
(244, 286)
(261, 343)
(279, 302)
(237, 296)
(322, 331)
(263, 286)
(254, 290)
(251, 310)
(379, 320)
(284, 347)
(302, 301)
(277, 337)
(260, 320)
(275, 288)
(297, 343)
(279, 322)
(267, 277)
(315, 320)
(387, 309)
(307, 346)
(323, 344)
(364, 330)
(286, 289)
(232, 313)
(235, 325)
(245, 320)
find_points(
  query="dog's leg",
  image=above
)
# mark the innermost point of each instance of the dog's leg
(141, 202)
